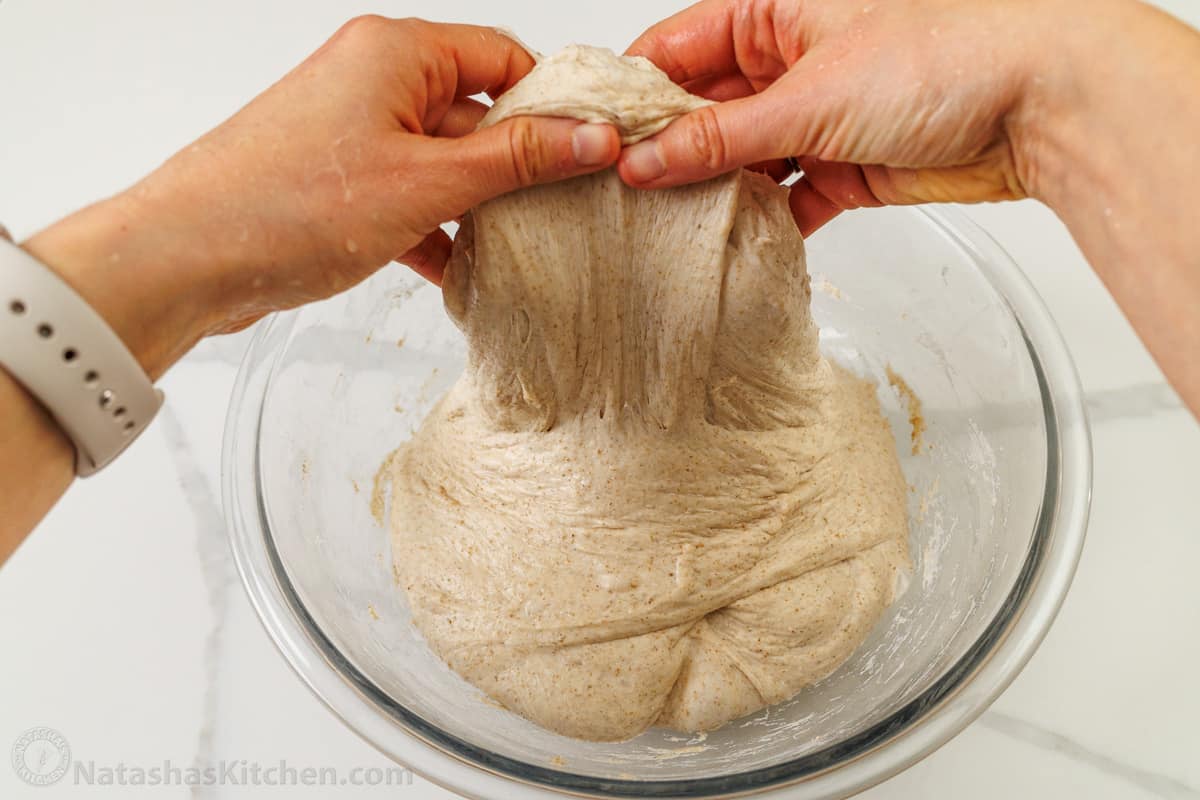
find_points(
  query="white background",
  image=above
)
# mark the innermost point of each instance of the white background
(124, 626)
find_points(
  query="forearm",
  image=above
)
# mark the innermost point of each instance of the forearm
(36, 463)
(114, 262)
(1118, 158)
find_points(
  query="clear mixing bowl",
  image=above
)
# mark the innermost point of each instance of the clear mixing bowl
(1000, 486)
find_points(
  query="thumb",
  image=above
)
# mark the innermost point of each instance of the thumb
(716, 139)
(519, 152)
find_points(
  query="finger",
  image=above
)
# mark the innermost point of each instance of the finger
(852, 186)
(845, 185)
(428, 259)
(776, 123)
(810, 208)
(695, 43)
(826, 190)
(517, 153)
(778, 169)
(435, 64)
(486, 60)
(707, 142)
(829, 188)
(731, 87)
(461, 118)
(990, 180)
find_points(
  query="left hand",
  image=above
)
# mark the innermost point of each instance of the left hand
(352, 160)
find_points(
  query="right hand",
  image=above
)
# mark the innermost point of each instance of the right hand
(908, 101)
(1087, 105)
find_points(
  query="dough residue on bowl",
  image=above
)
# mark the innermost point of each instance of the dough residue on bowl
(648, 500)
(912, 403)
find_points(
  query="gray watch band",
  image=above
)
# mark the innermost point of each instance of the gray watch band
(55, 345)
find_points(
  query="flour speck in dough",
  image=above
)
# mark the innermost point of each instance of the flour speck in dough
(648, 500)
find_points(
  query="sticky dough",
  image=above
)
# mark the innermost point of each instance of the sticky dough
(648, 500)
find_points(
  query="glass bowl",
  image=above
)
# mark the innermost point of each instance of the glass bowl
(1000, 485)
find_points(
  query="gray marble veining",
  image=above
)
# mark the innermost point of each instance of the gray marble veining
(219, 574)
(1138, 400)
(1045, 739)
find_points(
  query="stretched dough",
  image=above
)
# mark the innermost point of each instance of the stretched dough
(648, 500)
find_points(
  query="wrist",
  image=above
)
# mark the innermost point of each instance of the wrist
(1115, 160)
(142, 283)
(1090, 97)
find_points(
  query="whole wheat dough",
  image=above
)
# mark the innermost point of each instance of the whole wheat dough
(648, 500)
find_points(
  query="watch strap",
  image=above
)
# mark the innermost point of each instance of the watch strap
(67, 356)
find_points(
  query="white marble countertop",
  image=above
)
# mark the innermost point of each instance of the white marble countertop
(125, 626)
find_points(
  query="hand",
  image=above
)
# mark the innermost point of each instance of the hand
(908, 101)
(1090, 107)
(352, 160)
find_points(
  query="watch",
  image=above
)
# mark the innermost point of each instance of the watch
(55, 345)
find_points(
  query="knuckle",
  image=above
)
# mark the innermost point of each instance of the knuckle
(366, 33)
(705, 140)
(418, 257)
(525, 152)
(654, 46)
(411, 25)
(366, 27)
(870, 186)
(380, 35)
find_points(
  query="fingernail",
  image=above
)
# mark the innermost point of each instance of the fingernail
(644, 161)
(590, 144)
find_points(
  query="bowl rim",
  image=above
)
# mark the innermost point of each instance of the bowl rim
(870, 757)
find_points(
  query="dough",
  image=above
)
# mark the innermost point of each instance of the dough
(593, 85)
(648, 500)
